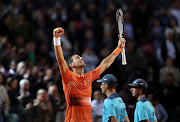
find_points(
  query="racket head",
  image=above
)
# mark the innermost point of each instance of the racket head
(120, 20)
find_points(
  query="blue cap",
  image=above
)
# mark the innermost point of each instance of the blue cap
(109, 79)
(139, 82)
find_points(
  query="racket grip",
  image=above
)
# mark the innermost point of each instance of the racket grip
(123, 57)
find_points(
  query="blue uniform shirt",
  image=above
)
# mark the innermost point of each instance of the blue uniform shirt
(114, 106)
(144, 110)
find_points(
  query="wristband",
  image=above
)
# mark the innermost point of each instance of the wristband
(57, 41)
(117, 51)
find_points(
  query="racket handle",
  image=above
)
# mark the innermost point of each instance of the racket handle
(123, 57)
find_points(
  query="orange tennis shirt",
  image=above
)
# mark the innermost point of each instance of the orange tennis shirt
(77, 90)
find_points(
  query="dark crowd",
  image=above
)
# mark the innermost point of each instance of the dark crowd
(30, 82)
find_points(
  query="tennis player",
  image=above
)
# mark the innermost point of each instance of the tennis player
(76, 83)
(114, 109)
(144, 111)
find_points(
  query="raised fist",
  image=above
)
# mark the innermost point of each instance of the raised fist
(58, 32)
(121, 43)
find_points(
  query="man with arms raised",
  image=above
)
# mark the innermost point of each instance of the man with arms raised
(76, 83)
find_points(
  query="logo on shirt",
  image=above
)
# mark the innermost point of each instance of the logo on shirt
(88, 81)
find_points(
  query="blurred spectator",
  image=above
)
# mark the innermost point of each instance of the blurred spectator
(148, 49)
(25, 96)
(160, 111)
(97, 106)
(23, 27)
(128, 27)
(125, 94)
(169, 47)
(111, 13)
(134, 61)
(21, 70)
(157, 33)
(169, 92)
(43, 106)
(163, 16)
(107, 41)
(175, 10)
(90, 59)
(4, 99)
(2, 69)
(140, 18)
(89, 40)
(57, 104)
(13, 66)
(12, 84)
(107, 24)
(169, 68)
(48, 77)
(152, 78)
(31, 48)
(169, 99)
(174, 25)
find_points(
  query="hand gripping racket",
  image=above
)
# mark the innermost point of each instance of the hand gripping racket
(120, 21)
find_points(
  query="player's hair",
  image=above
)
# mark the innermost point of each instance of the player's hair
(69, 60)
(144, 91)
(112, 86)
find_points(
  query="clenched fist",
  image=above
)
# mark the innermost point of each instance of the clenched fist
(121, 43)
(58, 32)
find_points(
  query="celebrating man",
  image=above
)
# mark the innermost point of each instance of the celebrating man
(76, 83)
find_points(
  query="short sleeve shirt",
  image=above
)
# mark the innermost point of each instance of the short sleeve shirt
(114, 106)
(77, 90)
(144, 110)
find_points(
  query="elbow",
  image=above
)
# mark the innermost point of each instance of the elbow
(106, 64)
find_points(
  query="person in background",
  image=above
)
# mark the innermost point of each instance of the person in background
(25, 96)
(97, 106)
(160, 111)
(55, 101)
(12, 90)
(114, 109)
(43, 106)
(144, 111)
(4, 99)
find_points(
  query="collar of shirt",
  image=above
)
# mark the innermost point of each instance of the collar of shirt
(143, 99)
(114, 95)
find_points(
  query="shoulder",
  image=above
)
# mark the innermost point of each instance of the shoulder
(94, 74)
(140, 104)
(95, 70)
(68, 71)
(107, 101)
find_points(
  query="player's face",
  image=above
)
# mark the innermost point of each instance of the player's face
(135, 91)
(103, 87)
(78, 61)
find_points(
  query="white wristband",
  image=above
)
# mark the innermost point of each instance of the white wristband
(57, 41)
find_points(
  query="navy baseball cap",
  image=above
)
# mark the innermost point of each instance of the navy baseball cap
(139, 82)
(109, 79)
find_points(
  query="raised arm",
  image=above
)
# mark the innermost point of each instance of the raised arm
(110, 59)
(58, 32)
